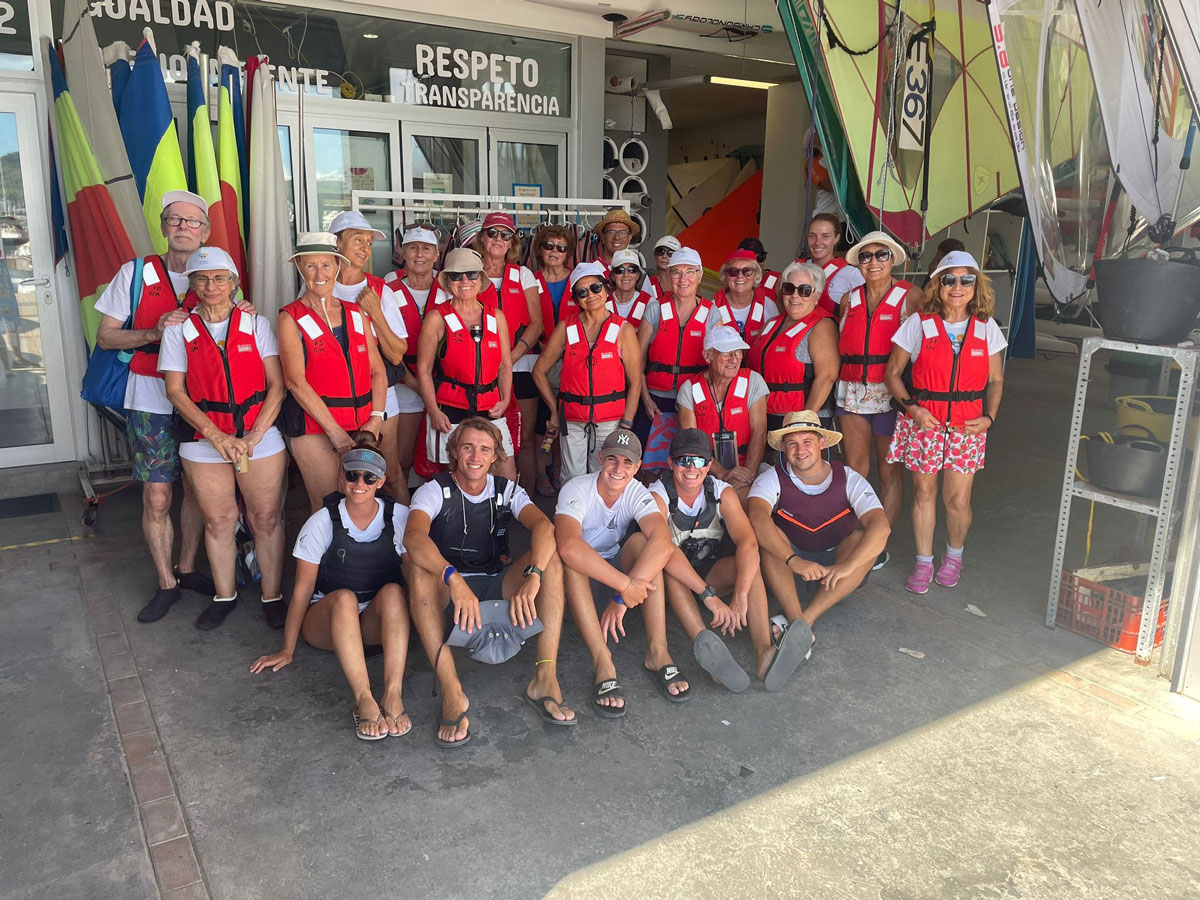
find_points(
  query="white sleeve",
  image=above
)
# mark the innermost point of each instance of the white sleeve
(758, 389)
(683, 399)
(428, 499)
(908, 336)
(399, 523)
(391, 312)
(314, 538)
(518, 499)
(573, 498)
(845, 279)
(264, 337)
(766, 486)
(656, 488)
(171, 355)
(639, 502)
(770, 310)
(719, 487)
(528, 280)
(860, 494)
(114, 301)
(995, 338)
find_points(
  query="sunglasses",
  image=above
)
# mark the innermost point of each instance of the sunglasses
(744, 272)
(626, 270)
(690, 462)
(865, 256)
(554, 248)
(662, 251)
(788, 289)
(459, 276)
(594, 288)
(501, 234)
(368, 478)
(964, 280)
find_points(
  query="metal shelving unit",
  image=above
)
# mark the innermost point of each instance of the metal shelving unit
(1186, 358)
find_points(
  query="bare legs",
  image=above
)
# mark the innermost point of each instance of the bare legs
(857, 441)
(319, 466)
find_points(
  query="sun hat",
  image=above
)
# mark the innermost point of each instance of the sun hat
(419, 235)
(184, 197)
(622, 442)
(691, 442)
(877, 237)
(462, 259)
(724, 339)
(352, 218)
(499, 220)
(466, 232)
(802, 420)
(669, 241)
(310, 243)
(955, 259)
(627, 257)
(208, 258)
(583, 270)
(618, 216)
(362, 459)
(685, 256)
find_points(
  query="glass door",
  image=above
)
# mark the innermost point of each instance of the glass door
(525, 163)
(34, 410)
(444, 159)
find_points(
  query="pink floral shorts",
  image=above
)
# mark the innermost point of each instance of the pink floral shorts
(928, 452)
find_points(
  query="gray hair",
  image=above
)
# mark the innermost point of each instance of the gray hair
(758, 272)
(812, 270)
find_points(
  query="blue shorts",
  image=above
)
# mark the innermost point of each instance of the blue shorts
(883, 423)
(153, 445)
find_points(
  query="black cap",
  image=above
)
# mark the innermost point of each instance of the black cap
(755, 246)
(691, 442)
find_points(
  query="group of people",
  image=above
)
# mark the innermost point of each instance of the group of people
(688, 441)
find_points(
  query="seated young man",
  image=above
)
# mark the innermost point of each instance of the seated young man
(593, 513)
(701, 511)
(815, 519)
(457, 529)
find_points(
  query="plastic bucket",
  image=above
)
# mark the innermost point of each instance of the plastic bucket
(1156, 415)
(1146, 300)
(1130, 464)
(1131, 374)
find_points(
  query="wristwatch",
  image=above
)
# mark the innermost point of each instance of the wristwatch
(533, 570)
(709, 591)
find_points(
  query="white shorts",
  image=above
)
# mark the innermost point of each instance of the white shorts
(204, 452)
(406, 399)
(435, 441)
(577, 459)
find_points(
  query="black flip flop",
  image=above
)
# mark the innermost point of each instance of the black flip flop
(667, 676)
(540, 705)
(795, 646)
(714, 657)
(455, 722)
(609, 688)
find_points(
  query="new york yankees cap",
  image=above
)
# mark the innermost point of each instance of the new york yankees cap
(622, 442)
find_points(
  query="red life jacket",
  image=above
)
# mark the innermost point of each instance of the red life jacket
(412, 314)
(592, 387)
(637, 312)
(733, 416)
(158, 298)
(467, 371)
(658, 288)
(773, 356)
(830, 269)
(676, 352)
(512, 301)
(814, 522)
(770, 283)
(754, 321)
(566, 306)
(342, 379)
(866, 341)
(950, 385)
(228, 385)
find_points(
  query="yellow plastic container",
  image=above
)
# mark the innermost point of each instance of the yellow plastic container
(1155, 413)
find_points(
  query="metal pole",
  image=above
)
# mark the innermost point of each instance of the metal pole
(1186, 558)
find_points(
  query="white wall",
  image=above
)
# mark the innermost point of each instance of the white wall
(711, 142)
(784, 175)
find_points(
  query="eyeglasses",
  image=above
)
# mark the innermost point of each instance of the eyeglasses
(690, 462)
(618, 232)
(964, 280)
(788, 289)
(594, 288)
(500, 234)
(554, 248)
(684, 272)
(368, 478)
(865, 256)
(626, 270)
(744, 272)
(459, 276)
(217, 280)
(662, 251)
(176, 221)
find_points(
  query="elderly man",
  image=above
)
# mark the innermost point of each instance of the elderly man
(163, 299)
(814, 519)
(593, 513)
(456, 527)
(702, 511)
(616, 230)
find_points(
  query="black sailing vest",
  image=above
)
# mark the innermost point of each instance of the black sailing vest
(360, 566)
(471, 536)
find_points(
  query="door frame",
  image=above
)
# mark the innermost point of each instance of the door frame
(519, 136)
(477, 133)
(307, 163)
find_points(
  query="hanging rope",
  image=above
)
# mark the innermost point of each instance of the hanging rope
(835, 43)
(889, 162)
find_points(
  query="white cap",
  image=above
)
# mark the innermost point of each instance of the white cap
(685, 256)
(583, 270)
(208, 258)
(184, 197)
(352, 218)
(724, 339)
(419, 235)
(956, 259)
(626, 257)
(670, 241)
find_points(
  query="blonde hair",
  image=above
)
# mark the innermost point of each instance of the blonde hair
(479, 423)
(982, 306)
(758, 272)
(514, 247)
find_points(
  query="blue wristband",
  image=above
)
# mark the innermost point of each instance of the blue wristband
(617, 599)
(447, 572)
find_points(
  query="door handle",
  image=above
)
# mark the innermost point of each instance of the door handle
(34, 282)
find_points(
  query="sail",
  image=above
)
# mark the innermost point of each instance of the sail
(1183, 30)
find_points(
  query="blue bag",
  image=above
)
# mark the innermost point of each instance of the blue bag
(108, 370)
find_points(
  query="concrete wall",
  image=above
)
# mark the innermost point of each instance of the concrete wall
(784, 177)
(692, 144)
(658, 68)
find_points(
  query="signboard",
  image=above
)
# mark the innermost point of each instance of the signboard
(529, 219)
(16, 41)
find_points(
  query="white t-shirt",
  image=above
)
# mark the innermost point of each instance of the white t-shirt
(604, 526)
(844, 280)
(741, 316)
(428, 497)
(142, 392)
(909, 336)
(317, 533)
(719, 486)
(756, 390)
(528, 280)
(859, 492)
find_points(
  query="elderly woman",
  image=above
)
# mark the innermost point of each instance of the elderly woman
(728, 403)
(744, 303)
(223, 376)
(659, 281)
(956, 350)
(601, 379)
(373, 296)
(464, 366)
(770, 278)
(869, 316)
(348, 591)
(628, 299)
(514, 289)
(796, 352)
(672, 342)
(331, 366)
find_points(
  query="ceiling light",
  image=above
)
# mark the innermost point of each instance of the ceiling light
(741, 82)
(370, 37)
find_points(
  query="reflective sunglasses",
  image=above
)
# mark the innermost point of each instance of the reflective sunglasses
(965, 280)
(662, 251)
(368, 478)
(788, 289)
(690, 462)
(176, 221)
(459, 276)
(865, 256)
(594, 288)
(626, 270)
(554, 248)
(744, 272)
(217, 280)
(502, 234)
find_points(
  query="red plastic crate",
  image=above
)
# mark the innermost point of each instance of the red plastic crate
(1103, 613)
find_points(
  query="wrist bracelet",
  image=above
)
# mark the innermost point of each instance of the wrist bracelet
(617, 599)
(377, 413)
(990, 418)
(625, 423)
(788, 561)
(447, 572)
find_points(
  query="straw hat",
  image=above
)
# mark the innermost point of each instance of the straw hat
(877, 237)
(803, 420)
(621, 217)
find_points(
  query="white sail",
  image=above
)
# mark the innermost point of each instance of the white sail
(1183, 29)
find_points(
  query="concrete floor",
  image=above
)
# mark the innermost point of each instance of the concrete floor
(1013, 760)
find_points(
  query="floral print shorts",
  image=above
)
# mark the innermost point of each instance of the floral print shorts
(928, 452)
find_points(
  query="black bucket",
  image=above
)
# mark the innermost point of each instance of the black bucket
(1147, 301)
(1132, 464)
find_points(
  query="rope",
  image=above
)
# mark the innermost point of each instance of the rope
(835, 43)
(889, 161)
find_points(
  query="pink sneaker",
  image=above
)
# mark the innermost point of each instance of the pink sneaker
(949, 571)
(918, 581)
